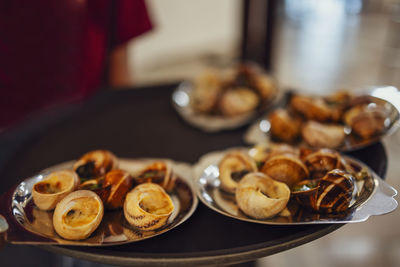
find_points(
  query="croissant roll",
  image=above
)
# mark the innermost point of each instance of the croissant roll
(148, 207)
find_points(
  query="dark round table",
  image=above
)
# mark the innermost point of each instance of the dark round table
(142, 123)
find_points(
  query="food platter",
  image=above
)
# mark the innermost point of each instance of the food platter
(181, 102)
(374, 197)
(388, 97)
(29, 225)
(184, 96)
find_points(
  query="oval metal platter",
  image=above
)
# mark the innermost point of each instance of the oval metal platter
(182, 99)
(374, 197)
(29, 225)
(387, 96)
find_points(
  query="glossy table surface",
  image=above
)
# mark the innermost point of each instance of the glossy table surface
(143, 123)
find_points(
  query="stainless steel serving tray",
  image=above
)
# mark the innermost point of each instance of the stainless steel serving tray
(182, 98)
(29, 225)
(374, 197)
(259, 131)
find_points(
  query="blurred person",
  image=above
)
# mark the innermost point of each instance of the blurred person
(56, 52)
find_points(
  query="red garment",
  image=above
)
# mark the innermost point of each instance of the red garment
(54, 51)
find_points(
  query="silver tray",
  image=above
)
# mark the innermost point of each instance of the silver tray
(29, 225)
(181, 98)
(374, 197)
(259, 131)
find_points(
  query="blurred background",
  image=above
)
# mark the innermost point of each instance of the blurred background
(318, 46)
